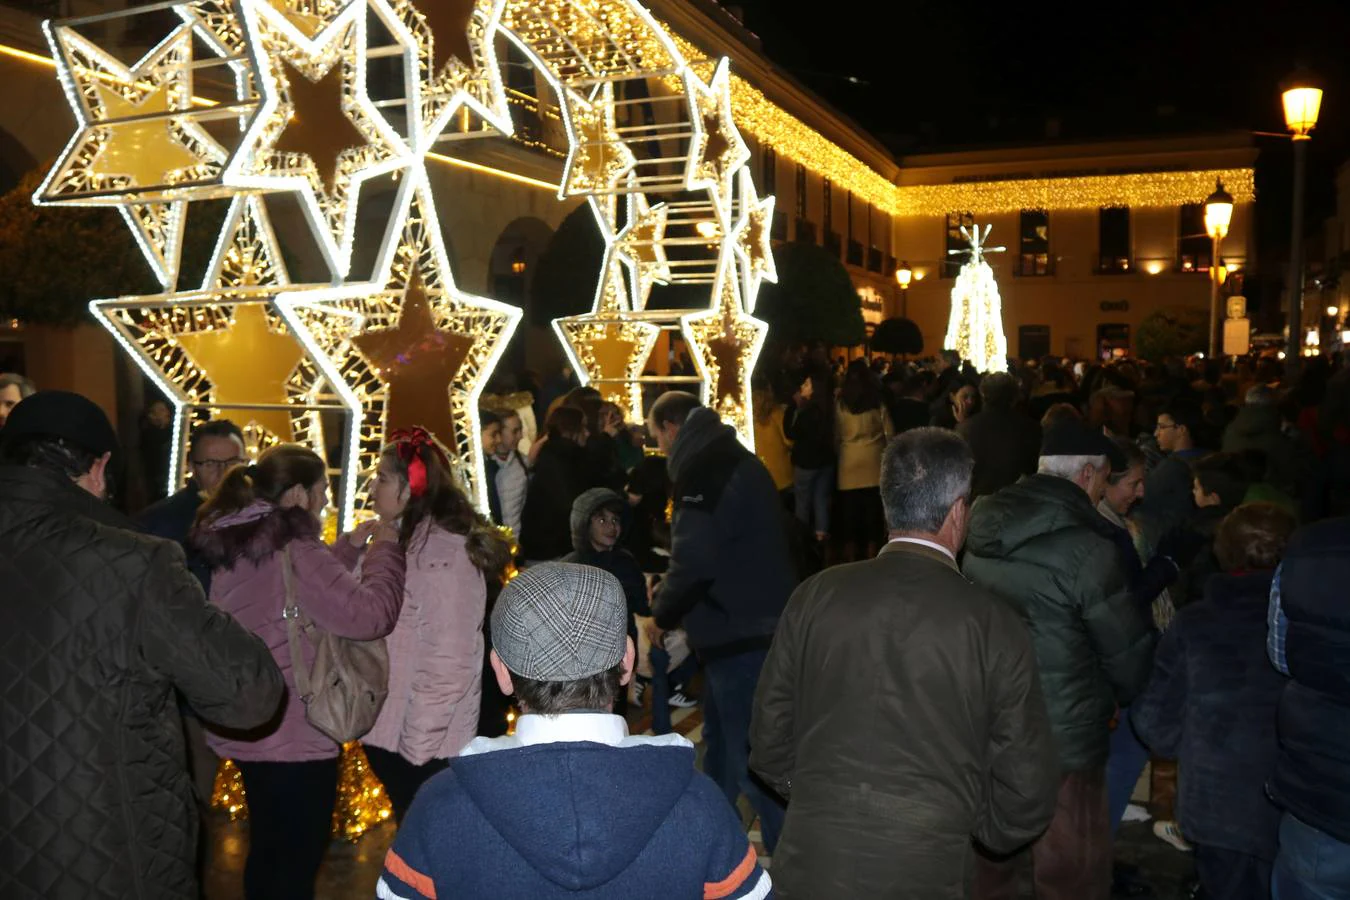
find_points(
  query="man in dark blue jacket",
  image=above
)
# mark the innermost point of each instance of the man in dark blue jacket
(730, 577)
(1310, 642)
(570, 805)
(213, 448)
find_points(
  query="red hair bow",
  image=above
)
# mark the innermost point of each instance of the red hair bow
(408, 442)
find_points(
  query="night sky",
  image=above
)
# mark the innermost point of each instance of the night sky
(948, 79)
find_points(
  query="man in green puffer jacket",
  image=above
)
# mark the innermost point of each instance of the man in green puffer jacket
(1042, 546)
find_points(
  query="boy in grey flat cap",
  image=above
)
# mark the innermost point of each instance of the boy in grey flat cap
(570, 805)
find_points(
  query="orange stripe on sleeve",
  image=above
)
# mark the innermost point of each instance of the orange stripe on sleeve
(714, 890)
(423, 884)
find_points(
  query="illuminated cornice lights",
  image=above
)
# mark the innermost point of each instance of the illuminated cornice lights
(751, 238)
(408, 348)
(724, 343)
(1138, 190)
(316, 130)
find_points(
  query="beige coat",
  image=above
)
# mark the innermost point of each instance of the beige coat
(862, 438)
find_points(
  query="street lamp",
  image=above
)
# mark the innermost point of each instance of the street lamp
(903, 276)
(1302, 102)
(1218, 216)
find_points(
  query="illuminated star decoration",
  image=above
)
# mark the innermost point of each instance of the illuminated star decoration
(409, 348)
(752, 239)
(460, 53)
(597, 157)
(716, 148)
(641, 246)
(316, 130)
(607, 348)
(129, 143)
(724, 343)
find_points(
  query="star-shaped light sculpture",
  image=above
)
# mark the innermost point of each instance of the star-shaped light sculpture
(724, 343)
(316, 130)
(138, 137)
(641, 245)
(608, 347)
(409, 348)
(459, 51)
(716, 149)
(224, 349)
(597, 156)
(752, 239)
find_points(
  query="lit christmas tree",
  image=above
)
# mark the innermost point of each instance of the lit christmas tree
(976, 327)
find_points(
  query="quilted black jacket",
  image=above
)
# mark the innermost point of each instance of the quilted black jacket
(98, 625)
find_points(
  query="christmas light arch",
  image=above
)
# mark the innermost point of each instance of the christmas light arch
(252, 99)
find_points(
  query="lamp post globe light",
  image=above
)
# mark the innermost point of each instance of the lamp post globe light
(1302, 98)
(1218, 216)
(903, 276)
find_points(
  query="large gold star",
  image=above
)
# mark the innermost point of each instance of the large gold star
(418, 361)
(724, 343)
(597, 157)
(716, 149)
(145, 151)
(148, 156)
(752, 238)
(316, 130)
(409, 348)
(318, 126)
(641, 244)
(248, 362)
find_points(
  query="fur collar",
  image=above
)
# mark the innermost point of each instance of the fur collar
(254, 533)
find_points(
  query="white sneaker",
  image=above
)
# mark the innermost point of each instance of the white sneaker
(1135, 813)
(680, 700)
(638, 690)
(1170, 833)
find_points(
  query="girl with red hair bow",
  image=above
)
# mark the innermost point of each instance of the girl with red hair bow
(436, 648)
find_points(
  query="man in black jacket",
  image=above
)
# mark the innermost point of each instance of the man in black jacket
(99, 625)
(214, 448)
(730, 577)
(1005, 441)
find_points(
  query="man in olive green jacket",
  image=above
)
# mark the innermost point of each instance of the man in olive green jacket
(899, 706)
(1042, 546)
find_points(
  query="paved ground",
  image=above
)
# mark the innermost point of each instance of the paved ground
(351, 869)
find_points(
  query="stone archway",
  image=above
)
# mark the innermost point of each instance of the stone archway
(512, 265)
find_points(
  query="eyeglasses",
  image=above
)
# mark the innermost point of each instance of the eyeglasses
(218, 465)
(1161, 427)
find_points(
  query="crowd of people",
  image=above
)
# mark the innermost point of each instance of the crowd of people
(940, 624)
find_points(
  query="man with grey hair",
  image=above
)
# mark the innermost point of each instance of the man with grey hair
(899, 707)
(1042, 546)
(13, 388)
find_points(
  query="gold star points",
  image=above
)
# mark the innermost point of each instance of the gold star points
(641, 245)
(318, 127)
(598, 158)
(249, 361)
(724, 343)
(752, 239)
(716, 149)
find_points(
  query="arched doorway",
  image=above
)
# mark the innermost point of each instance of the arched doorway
(511, 271)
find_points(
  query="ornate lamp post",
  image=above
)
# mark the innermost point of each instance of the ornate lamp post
(1218, 216)
(1302, 102)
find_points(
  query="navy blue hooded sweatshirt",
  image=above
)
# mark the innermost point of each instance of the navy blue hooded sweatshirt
(573, 819)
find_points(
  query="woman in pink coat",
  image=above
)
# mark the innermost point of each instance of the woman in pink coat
(436, 649)
(259, 514)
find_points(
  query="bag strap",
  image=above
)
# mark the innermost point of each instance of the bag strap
(291, 613)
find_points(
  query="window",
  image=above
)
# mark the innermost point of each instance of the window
(829, 206)
(1034, 243)
(1193, 247)
(801, 191)
(952, 262)
(1113, 240)
(1033, 341)
(769, 176)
